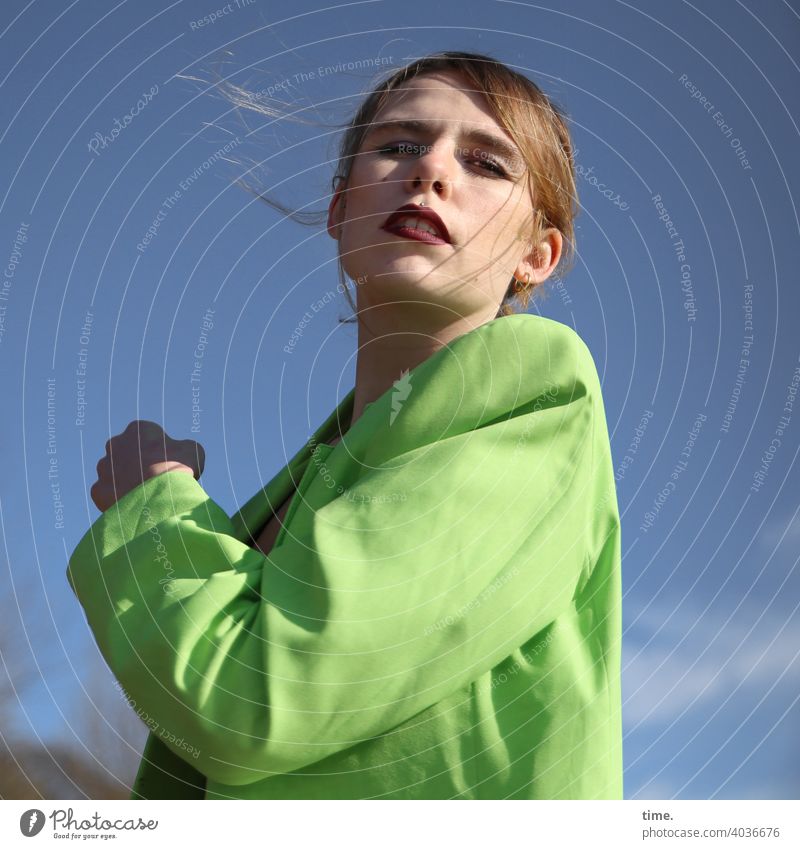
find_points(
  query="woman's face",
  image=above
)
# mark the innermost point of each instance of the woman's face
(448, 163)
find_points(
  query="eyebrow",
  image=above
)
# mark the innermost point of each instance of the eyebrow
(508, 151)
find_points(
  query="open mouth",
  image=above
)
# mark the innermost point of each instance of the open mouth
(421, 231)
(420, 223)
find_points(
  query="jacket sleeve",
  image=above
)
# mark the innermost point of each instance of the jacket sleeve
(429, 572)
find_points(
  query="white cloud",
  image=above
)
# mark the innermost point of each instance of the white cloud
(780, 532)
(664, 677)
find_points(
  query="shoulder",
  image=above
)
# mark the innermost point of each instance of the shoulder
(538, 331)
(531, 348)
(509, 367)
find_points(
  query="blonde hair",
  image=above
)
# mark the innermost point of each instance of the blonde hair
(533, 120)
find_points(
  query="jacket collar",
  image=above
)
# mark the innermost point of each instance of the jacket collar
(429, 403)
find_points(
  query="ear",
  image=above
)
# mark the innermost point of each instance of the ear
(542, 259)
(336, 213)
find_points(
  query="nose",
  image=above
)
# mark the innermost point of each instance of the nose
(433, 169)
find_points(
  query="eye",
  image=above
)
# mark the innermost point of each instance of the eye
(487, 162)
(493, 166)
(400, 148)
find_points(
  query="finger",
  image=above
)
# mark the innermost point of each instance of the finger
(201, 458)
(96, 494)
(151, 426)
(154, 433)
(143, 426)
(193, 449)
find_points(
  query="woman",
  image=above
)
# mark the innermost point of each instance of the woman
(425, 602)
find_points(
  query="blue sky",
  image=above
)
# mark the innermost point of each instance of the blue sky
(684, 121)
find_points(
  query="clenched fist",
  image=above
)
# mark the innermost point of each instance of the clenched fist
(143, 450)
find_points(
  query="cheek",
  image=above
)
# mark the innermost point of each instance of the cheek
(361, 222)
(373, 177)
(368, 204)
(492, 228)
(366, 172)
(498, 219)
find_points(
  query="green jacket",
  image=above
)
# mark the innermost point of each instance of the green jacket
(440, 616)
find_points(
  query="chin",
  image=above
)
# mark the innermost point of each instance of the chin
(385, 253)
(418, 290)
(404, 281)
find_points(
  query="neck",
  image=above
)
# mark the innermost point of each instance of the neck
(392, 339)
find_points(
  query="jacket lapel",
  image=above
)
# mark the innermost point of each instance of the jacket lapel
(254, 513)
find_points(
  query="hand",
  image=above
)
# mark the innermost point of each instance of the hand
(143, 450)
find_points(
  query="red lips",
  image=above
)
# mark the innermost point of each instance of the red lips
(422, 212)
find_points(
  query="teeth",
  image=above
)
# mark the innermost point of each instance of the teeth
(416, 223)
